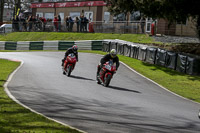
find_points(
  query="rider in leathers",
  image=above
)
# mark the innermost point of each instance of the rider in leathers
(73, 50)
(111, 56)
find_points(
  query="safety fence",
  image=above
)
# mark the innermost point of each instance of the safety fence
(94, 26)
(181, 62)
(120, 27)
(51, 45)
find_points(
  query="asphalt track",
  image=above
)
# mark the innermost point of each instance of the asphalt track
(132, 104)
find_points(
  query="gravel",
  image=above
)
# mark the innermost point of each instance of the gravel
(176, 39)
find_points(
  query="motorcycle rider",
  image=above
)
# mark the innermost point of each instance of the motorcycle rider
(111, 56)
(73, 50)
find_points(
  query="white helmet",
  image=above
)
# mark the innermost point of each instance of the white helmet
(113, 53)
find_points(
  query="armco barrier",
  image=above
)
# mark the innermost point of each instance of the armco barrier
(84, 45)
(181, 63)
(113, 45)
(193, 65)
(120, 48)
(64, 45)
(10, 45)
(142, 53)
(36, 45)
(97, 45)
(134, 51)
(23, 45)
(151, 55)
(106, 46)
(2, 45)
(170, 61)
(160, 57)
(127, 50)
(50, 45)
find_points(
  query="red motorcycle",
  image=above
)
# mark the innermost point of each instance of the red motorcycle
(106, 73)
(69, 64)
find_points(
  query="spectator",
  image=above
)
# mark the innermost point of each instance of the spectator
(55, 22)
(71, 23)
(82, 23)
(77, 23)
(85, 23)
(59, 23)
(67, 23)
(44, 22)
(34, 23)
(38, 24)
(30, 23)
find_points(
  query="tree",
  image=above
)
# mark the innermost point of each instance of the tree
(1, 10)
(172, 10)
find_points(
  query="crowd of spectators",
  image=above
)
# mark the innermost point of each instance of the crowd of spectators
(81, 23)
(32, 23)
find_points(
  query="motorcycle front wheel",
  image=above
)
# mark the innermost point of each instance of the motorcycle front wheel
(69, 70)
(107, 80)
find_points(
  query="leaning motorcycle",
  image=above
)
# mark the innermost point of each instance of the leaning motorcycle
(69, 64)
(106, 73)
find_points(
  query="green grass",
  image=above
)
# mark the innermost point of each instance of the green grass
(42, 36)
(187, 86)
(15, 118)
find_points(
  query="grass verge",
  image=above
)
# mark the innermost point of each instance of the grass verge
(184, 85)
(17, 119)
(42, 36)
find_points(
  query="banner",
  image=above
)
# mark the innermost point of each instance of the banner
(68, 4)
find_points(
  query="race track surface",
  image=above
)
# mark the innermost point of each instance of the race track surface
(131, 103)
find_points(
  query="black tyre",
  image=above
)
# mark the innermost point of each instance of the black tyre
(107, 81)
(69, 71)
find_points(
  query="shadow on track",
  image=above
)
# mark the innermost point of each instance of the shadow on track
(123, 89)
(79, 77)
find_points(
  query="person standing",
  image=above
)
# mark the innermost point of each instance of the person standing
(67, 23)
(85, 23)
(55, 22)
(82, 23)
(44, 22)
(77, 23)
(59, 23)
(30, 23)
(71, 23)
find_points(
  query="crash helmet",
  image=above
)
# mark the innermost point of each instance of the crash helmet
(113, 53)
(74, 48)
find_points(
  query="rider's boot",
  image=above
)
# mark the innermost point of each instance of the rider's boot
(62, 62)
(98, 70)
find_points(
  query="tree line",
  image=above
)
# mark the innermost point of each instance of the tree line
(172, 10)
(13, 4)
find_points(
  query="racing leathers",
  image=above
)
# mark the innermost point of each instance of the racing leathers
(107, 58)
(69, 51)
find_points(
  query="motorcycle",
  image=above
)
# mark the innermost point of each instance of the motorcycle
(106, 73)
(69, 64)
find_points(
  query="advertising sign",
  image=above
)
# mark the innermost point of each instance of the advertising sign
(68, 4)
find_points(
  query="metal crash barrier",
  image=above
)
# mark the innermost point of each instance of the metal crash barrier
(184, 63)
